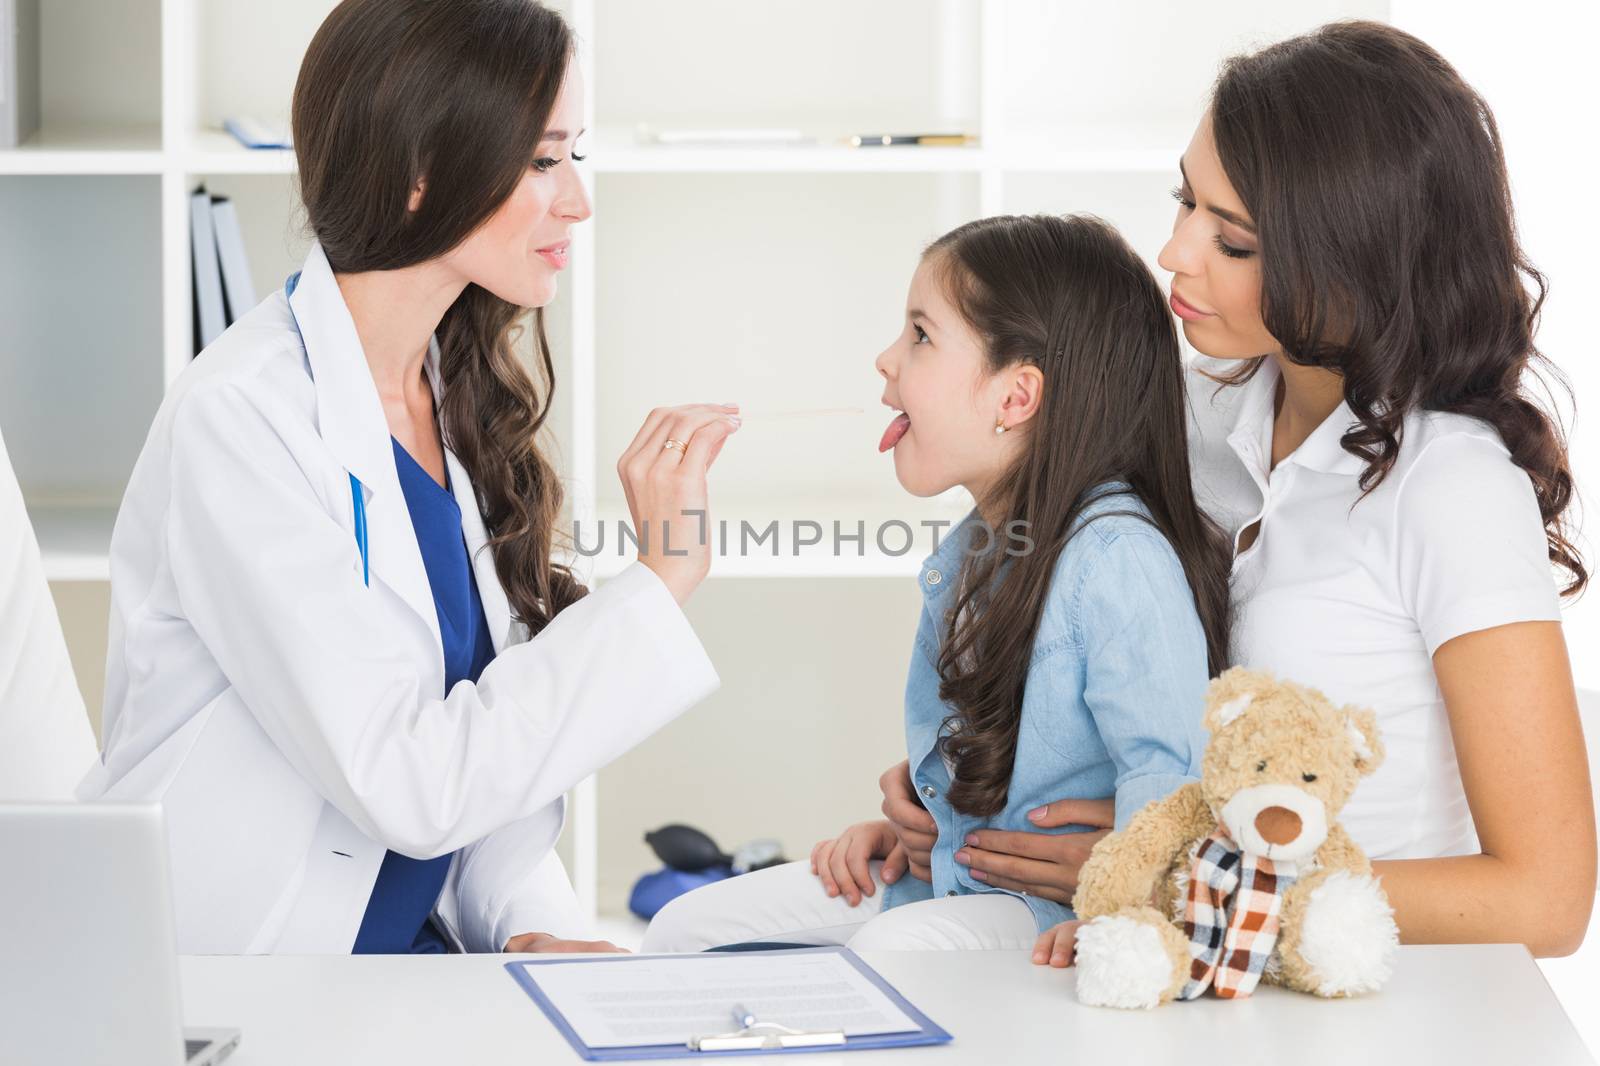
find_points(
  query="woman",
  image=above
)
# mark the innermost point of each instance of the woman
(1345, 253)
(340, 653)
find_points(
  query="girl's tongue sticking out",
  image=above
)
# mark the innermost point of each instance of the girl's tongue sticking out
(896, 430)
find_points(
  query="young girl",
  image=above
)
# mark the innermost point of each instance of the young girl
(1070, 622)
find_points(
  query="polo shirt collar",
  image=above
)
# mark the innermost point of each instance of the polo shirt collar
(1251, 437)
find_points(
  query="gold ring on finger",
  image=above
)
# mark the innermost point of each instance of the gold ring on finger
(675, 444)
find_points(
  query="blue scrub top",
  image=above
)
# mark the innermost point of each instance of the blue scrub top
(397, 920)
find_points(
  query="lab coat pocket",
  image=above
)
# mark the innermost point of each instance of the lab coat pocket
(239, 821)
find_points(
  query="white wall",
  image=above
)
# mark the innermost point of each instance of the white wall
(1534, 62)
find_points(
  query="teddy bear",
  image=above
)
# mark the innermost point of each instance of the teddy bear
(1243, 875)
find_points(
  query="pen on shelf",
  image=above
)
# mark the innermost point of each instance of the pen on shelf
(815, 412)
(739, 138)
(925, 140)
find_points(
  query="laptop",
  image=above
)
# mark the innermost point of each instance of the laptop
(88, 947)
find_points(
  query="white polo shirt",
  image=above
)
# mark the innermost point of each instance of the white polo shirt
(1354, 598)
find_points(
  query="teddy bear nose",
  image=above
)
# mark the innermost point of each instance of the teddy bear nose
(1278, 825)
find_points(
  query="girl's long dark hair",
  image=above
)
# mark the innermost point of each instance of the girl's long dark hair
(457, 93)
(1378, 187)
(1068, 295)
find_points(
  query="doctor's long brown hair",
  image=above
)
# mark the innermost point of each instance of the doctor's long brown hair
(1068, 295)
(457, 92)
(1377, 183)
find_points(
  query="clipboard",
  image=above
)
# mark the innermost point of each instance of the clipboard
(525, 973)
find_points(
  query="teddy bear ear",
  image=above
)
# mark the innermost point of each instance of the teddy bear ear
(1364, 738)
(1226, 712)
(1230, 695)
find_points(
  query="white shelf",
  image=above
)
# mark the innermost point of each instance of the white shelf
(217, 152)
(114, 153)
(139, 149)
(620, 158)
(619, 151)
(74, 540)
(87, 150)
(614, 152)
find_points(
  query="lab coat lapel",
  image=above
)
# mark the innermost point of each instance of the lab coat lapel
(351, 419)
(496, 608)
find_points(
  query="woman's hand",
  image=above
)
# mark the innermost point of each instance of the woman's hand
(666, 490)
(546, 944)
(841, 863)
(913, 826)
(1057, 945)
(1040, 864)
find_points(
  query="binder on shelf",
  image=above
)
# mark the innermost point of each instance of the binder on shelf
(19, 71)
(238, 290)
(252, 133)
(210, 316)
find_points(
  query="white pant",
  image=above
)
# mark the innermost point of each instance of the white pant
(788, 904)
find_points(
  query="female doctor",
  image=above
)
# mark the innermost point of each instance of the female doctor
(340, 654)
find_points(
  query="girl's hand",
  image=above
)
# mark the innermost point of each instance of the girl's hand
(842, 863)
(1057, 945)
(546, 944)
(1040, 864)
(913, 826)
(662, 484)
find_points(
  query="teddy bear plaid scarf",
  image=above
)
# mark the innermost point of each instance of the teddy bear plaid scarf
(1231, 917)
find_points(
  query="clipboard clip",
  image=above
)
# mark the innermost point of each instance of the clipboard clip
(753, 1035)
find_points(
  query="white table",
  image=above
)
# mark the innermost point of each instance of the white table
(1467, 1004)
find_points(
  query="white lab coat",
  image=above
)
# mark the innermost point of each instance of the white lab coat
(45, 740)
(290, 718)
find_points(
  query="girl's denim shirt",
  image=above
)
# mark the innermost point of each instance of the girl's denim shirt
(1114, 693)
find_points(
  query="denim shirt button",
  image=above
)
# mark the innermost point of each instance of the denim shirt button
(934, 577)
(929, 791)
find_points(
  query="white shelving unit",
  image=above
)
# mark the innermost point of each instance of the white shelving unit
(771, 276)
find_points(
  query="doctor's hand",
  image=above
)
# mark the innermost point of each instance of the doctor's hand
(546, 944)
(1041, 864)
(662, 483)
(842, 863)
(913, 826)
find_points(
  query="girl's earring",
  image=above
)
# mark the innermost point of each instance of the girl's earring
(999, 428)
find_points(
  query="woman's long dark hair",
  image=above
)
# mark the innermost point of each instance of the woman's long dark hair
(1389, 253)
(1068, 295)
(456, 92)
